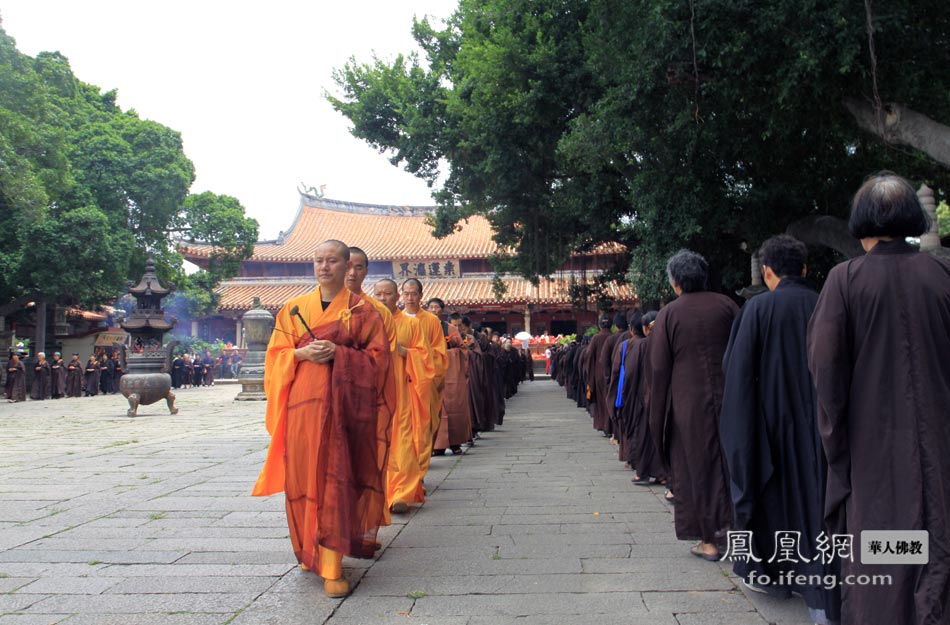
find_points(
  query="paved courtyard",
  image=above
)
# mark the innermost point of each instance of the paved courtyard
(110, 520)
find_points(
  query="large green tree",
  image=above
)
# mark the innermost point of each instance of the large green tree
(87, 190)
(708, 124)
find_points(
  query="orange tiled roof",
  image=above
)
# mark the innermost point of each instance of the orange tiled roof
(238, 294)
(384, 232)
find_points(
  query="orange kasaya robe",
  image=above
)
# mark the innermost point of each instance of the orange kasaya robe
(410, 436)
(329, 426)
(432, 330)
(390, 326)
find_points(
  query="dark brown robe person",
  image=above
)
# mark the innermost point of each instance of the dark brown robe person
(580, 377)
(16, 381)
(770, 440)
(39, 390)
(643, 452)
(478, 388)
(455, 428)
(73, 378)
(610, 363)
(878, 346)
(91, 377)
(687, 344)
(57, 370)
(596, 381)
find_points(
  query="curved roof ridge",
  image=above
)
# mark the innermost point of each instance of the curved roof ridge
(359, 207)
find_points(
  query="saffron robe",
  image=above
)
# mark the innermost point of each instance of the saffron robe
(329, 426)
(770, 440)
(73, 378)
(432, 329)
(687, 344)
(410, 435)
(877, 349)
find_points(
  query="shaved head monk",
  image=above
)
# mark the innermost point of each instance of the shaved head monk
(410, 436)
(329, 398)
(432, 329)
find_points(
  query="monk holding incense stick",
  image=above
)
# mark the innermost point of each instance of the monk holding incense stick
(329, 404)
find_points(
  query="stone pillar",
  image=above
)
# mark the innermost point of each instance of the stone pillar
(930, 240)
(527, 320)
(758, 284)
(194, 328)
(238, 331)
(258, 326)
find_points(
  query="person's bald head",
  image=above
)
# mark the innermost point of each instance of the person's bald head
(387, 292)
(358, 268)
(412, 295)
(330, 263)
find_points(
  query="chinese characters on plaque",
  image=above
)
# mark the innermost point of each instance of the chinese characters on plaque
(427, 269)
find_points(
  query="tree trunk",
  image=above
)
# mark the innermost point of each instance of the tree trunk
(903, 126)
(827, 231)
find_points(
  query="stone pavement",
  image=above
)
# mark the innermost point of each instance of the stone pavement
(110, 520)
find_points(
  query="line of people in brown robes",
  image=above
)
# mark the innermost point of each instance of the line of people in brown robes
(787, 428)
(193, 370)
(484, 370)
(56, 378)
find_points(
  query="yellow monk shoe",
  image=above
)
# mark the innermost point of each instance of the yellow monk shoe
(336, 588)
(399, 507)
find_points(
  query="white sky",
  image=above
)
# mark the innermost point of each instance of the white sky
(242, 82)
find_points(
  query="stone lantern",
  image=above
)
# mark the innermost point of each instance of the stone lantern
(758, 284)
(258, 325)
(148, 363)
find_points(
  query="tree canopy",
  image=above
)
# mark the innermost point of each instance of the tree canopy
(708, 124)
(87, 189)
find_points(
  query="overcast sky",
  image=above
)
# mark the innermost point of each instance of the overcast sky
(243, 83)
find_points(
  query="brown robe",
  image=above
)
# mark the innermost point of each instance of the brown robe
(456, 426)
(57, 378)
(878, 346)
(687, 344)
(596, 381)
(16, 381)
(74, 371)
(610, 363)
(39, 390)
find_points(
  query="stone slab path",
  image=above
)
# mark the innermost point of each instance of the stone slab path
(109, 520)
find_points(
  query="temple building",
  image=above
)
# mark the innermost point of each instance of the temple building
(400, 245)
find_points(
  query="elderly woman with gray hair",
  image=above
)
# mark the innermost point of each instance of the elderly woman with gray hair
(878, 344)
(687, 344)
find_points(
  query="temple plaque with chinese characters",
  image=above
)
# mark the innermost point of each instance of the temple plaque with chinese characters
(427, 269)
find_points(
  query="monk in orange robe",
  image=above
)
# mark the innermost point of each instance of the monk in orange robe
(355, 275)
(328, 400)
(432, 330)
(410, 436)
(359, 268)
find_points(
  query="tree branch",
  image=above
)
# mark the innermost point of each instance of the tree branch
(903, 126)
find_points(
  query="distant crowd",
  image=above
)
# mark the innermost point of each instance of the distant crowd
(100, 374)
